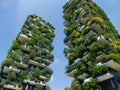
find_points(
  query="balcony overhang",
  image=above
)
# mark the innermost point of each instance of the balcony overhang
(22, 65)
(11, 87)
(23, 37)
(83, 76)
(104, 77)
(96, 27)
(112, 64)
(37, 63)
(33, 82)
(42, 77)
(8, 69)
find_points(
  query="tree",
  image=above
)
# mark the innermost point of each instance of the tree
(67, 88)
(75, 85)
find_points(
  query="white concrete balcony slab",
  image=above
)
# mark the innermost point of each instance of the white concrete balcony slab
(22, 65)
(25, 48)
(48, 61)
(112, 64)
(37, 63)
(23, 37)
(96, 27)
(8, 69)
(42, 77)
(36, 47)
(104, 77)
(12, 87)
(81, 27)
(33, 82)
(71, 74)
(41, 83)
(29, 82)
(83, 76)
(102, 40)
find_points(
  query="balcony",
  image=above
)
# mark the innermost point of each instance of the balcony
(86, 7)
(96, 27)
(71, 74)
(102, 40)
(31, 25)
(104, 77)
(33, 82)
(83, 76)
(42, 77)
(41, 83)
(112, 64)
(23, 37)
(48, 61)
(12, 87)
(36, 47)
(81, 27)
(25, 48)
(99, 58)
(8, 69)
(37, 63)
(29, 82)
(22, 65)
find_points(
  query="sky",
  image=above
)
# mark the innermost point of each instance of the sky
(13, 14)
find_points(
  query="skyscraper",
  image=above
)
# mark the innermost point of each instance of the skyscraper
(93, 51)
(26, 65)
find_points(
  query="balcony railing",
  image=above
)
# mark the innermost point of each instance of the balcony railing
(37, 63)
(23, 37)
(8, 69)
(96, 27)
(104, 77)
(22, 65)
(9, 87)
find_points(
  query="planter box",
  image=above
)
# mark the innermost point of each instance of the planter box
(22, 65)
(42, 77)
(83, 76)
(8, 69)
(112, 64)
(23, 37)
(37, 63)
(11, 87)
(102, 40)
(96, 27)
(104, 77)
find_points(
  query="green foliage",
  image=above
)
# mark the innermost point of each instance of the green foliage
(26, 58)
(75, 85)
(38, 87)
(15, 45)
(47, 88)
(36, 73)
(91, 85)
(67, 88)
(11, 76)
(6, 62)
(98, 70)
(68, 30)
(22, 76)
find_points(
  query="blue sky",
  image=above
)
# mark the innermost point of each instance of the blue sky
(13, 14)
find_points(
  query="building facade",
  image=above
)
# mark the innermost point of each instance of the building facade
(93, 50)
(26, 66)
